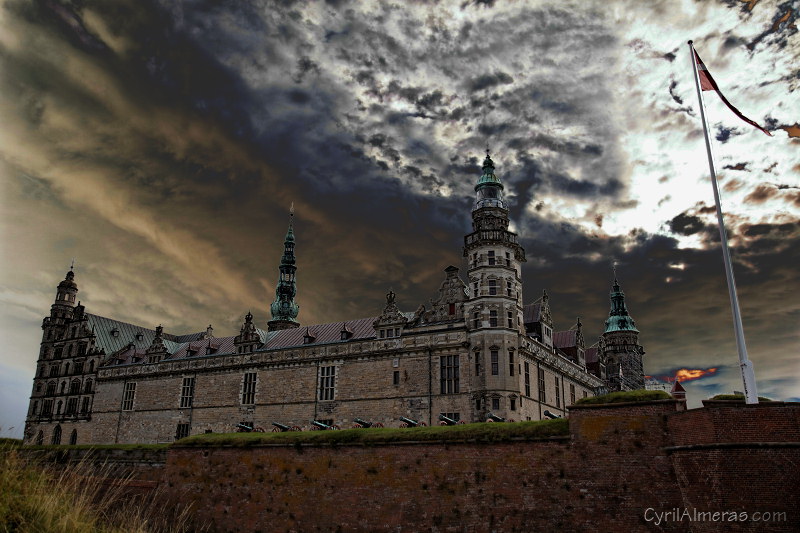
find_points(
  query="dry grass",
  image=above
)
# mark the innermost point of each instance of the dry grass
(67, 498)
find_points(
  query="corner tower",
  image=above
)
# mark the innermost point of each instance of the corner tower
(284, 309)
(621, 347)
(493, 311)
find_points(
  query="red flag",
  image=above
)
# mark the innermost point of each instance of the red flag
(707, 83)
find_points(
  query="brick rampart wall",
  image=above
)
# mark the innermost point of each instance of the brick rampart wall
(619, 470)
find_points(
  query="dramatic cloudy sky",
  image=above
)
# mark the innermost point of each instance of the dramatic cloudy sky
(161, 144)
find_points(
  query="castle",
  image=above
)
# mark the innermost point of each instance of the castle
(475, 352)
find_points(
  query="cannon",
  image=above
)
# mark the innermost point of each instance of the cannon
(494, 418)
(447, 421)
(243, 428)
(283, 427)
(321, 425)
(362, 423)
(548, 414)
(408, 423)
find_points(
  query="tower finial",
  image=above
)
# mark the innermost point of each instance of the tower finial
(291, 210)
(72, 264)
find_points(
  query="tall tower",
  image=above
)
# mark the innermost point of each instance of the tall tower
(284, 308)
(621, 347)
(494, 309)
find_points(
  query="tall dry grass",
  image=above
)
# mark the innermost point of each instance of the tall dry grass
(41, 497)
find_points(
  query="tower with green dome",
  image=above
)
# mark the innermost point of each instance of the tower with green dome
(620, 341)
(284, 309)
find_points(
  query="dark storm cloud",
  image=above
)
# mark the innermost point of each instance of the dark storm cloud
(487, 81)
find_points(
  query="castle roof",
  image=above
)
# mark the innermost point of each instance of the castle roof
(565, 339)
(131, 343)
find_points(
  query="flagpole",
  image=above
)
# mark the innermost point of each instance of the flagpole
(745, 365)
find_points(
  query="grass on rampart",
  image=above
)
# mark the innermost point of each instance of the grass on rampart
(738, 397)
(478, 432)
(625, 396)
(46, 497)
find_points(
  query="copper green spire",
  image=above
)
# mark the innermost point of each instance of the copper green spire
(284, 309)
(618, 317)
(489, 189)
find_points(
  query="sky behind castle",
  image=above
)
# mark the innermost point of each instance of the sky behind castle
(161, 144)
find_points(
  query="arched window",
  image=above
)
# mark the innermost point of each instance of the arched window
(87, 387)
(39, 438)
(75, 387)
(51, 388)
(91, 366)
(66, 369)
(73, 438)
(63, 386)
(85, 405)
(57, 434)
(58, 407)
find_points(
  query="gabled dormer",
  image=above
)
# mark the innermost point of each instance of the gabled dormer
(391, 322)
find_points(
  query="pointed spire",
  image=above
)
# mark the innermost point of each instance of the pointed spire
(618, 317)
(284, 309)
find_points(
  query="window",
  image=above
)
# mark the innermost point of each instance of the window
(72, 406)
(495, 362)
(51, 388)
(73, 438)
(527, 379)
(383, 333)
(69, 350)
(187, 392)
(81, 349)
(72, 331)
(477, 404)
(491, 257)
(57, 352)
(512, 404)
(85, 405)
(190, 352)
(571, 393)
(511, 319)
(128, 395)
(585, 394)
(477, 365)
(449, 374)
(249, 388)
(79, 367)
(476, 321)
(41, 371)
(451, 310)
(327, 383)
(58, 407)
(396, 377)
(63, 387)
(495, 403)
(87, 387)
(475, 289)
(54, 371)
(47, 408)
(182, 431)
(91, 366)
(493, 319)
(508, 288)
(66, 369)
(558, 392)
(75, 387)
(38, 387)
(452, 416)
(492, 287)
(542, 392)
(508, 258)
(56, 435)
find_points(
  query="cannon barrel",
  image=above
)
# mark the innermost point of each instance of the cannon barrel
(244, 427)
(362, 423)
(496, 418)
(321, 425)
(282, 427)
(447, 420)
(411, 423)
(548, 414)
